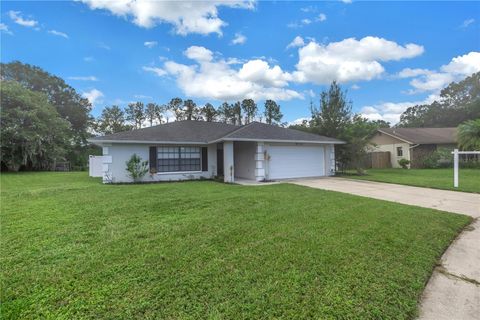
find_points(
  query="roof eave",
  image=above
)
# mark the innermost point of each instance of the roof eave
(278, 140)
(98, 141)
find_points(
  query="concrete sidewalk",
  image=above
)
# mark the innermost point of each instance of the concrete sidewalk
(453, 291)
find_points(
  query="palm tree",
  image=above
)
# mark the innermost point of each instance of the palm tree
(468, 135)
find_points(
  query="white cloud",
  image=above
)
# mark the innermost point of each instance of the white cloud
(299, 24)
(4, 28)
(410, 73)
(321, 17)
(93, 96)
(104, 46)
(239, 39)
(457, 69)
(297, 42)
(84, 78)
(298, 121)
(158, 71)
(258, 71)
(467, 22)
(215, 78)
(391, 111)
(355, 87)
(349, 59)
(88, 59)
(464, 65)
(18, 19)
(150, 44)
(199, 53)
(185, 16)
(142, 96)
(58, 33)
(346, 1)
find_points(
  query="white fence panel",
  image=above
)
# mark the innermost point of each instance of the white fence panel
(95, 165)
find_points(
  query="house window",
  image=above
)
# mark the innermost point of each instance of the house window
(399, 152)
(178, 159)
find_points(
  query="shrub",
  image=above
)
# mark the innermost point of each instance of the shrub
(440, 158)
(136, 167)
(404, 163)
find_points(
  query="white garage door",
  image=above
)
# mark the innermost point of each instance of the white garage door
(296, 161)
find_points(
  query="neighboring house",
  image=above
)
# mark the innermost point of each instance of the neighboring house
(413, 144)
(198, 149)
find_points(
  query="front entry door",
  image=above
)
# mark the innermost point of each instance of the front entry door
(220, 162)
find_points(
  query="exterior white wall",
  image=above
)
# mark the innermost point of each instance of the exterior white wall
(115, 167)
(244, 159)
(228, 162)
(392, 148)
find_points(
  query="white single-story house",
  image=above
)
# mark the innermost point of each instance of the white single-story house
(187, 150)
(413, 144)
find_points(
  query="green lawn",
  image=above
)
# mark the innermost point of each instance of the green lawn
(73, 248)
(469, 179)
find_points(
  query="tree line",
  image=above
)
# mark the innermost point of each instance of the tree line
(458, 103)
(44, 120)
(137, 114)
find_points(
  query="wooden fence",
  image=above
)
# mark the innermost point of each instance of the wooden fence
(378, 160)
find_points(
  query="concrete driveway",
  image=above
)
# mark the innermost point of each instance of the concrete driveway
(453, 291)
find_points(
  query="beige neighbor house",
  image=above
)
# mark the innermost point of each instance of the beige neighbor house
(413, 144)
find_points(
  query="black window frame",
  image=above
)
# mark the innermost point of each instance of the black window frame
(399, 151)
(179, 159)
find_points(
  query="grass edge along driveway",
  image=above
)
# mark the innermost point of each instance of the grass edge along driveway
(469, 179)
(74, 248)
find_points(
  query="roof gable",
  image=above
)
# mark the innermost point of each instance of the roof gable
(423, 135)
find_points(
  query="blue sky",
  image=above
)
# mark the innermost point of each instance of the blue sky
(389, 55)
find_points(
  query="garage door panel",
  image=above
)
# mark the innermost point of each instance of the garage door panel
(296, 161)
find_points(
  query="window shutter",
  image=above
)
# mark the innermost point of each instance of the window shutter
(153, 159)
(204, 159)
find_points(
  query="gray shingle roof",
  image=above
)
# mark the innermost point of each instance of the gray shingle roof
(207, 132)
(263, 131)
(179, 131)
(424, 135)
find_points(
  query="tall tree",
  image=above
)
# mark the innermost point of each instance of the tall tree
(175, 107)
(458, 102)
(236, 117)
(225, 112)
(249, 107)
(272, 112)
(33, 133)
(69, 104)
(468, 135)
(153, 112)
(334, 113)
(190, 110)
(135, 112)
(111, 120)
(357, 133)
(209, 113)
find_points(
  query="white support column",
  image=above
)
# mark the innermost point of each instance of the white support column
(260, 161)
(106, 161)
(455, 168)
(228, 163)
(332, 160)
